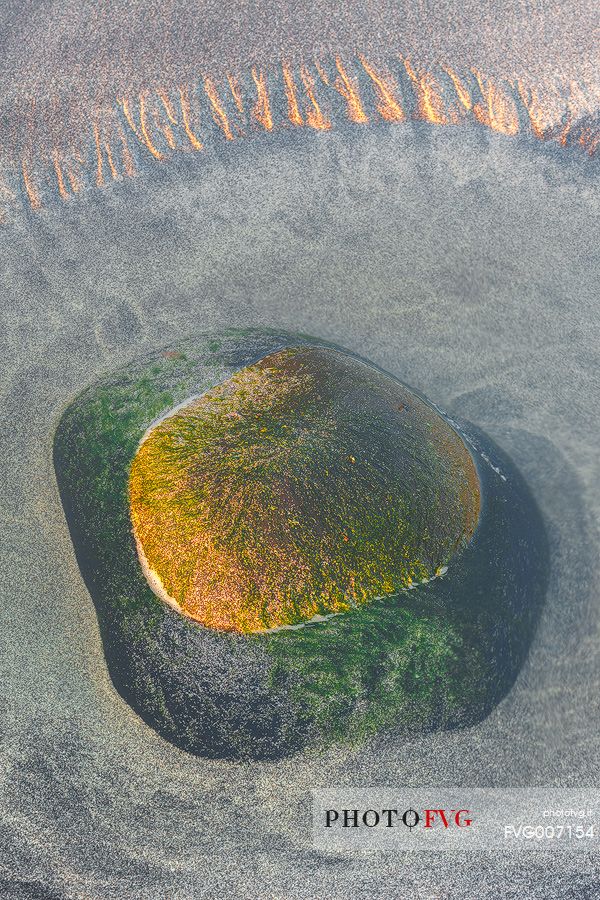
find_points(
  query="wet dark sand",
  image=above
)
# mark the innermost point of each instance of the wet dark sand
(466, 264)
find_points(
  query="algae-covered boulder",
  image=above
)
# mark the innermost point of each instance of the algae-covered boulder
(306, 484)
(287, 546)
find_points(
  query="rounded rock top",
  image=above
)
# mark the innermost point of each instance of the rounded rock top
(306, 484)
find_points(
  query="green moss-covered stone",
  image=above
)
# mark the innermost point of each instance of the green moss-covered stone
(306, 484)
(364, 568)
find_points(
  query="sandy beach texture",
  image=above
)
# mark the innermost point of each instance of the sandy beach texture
(461, 260)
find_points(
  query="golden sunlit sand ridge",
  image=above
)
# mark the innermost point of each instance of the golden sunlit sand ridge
(163, 121)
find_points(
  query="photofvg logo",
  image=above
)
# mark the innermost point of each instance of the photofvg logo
(447, 818)
(394, 818)
(368, 820)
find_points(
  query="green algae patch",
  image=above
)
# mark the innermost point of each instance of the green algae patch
(306, 484)
(395, 662)
(337, 497)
